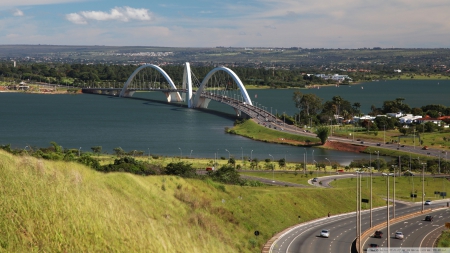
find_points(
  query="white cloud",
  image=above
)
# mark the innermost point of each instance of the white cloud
(123, 14)
(18, 13)
(76, 19)
(9, 3)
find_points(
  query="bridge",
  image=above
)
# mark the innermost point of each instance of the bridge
(221, 85)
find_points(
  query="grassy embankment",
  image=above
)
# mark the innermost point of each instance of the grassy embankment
(444, 240)
(252, 130)
(65, 207)
(440, 140)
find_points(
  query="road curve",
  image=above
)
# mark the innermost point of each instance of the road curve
(417, 232)
(304, 237)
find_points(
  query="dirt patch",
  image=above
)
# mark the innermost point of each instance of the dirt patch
(344, 146)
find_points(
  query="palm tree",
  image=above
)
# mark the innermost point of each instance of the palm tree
(357, 106)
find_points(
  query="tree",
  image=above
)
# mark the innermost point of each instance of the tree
(227, 174)
(119, 151)
(180, 169)
(337, 102)
(97, 149)
(232, 161)
(323, 133)
(282, 162)
(309, 103)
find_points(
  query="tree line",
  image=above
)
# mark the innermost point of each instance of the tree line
(313, 111)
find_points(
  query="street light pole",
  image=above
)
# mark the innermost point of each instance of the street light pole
(181, 152)
(370, 170)
(306, 159)
(273, 175)
(423, 185)
(190, 155)
(251, 155)
(228, 154)
(387, 216)
(359, 200)
(79, 150)
(330, 164)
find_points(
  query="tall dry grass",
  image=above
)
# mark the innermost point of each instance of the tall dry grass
(65, 207)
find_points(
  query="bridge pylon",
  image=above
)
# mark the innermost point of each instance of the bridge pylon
(171, 96)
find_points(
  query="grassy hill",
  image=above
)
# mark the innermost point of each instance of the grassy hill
(65, 207)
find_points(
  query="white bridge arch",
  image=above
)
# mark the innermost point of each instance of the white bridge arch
(170, 95)
(198, 102)
(193, 100)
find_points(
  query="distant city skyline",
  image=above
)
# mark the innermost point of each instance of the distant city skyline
(228, 23)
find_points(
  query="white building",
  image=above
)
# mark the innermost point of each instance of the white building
(409, 119)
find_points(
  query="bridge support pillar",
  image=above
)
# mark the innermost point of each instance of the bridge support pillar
(175, 96)
(203, 102)
(129, 93)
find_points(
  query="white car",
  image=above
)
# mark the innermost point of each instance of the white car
(428, 202)
(384, 174)
(325, 233)
(398, 235)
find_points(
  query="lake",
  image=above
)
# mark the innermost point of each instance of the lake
(83, 121)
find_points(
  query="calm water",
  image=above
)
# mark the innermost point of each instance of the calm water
(416, 93)
(75, 121)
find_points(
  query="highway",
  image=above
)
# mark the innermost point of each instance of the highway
(305, 237)
(417, 232)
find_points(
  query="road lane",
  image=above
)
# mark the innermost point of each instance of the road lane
(303, 238)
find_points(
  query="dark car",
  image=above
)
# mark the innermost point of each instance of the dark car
(373, 245)
(428, 218)
(378, 144)
(378, 234)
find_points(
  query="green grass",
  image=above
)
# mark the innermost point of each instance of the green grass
(444, 240)
(404, 186)
(254, 131)
(65, 207)
(439, 140)
(283, 176)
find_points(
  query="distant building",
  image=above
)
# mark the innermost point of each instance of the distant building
(394, 114)
(427, 118)
(409, 119)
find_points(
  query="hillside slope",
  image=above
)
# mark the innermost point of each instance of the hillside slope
(65, 207)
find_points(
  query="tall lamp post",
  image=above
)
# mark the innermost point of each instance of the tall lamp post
(370, 171)
(358, 210)
(273, 175)
(228, 154)
(190, 155)
(242, 154)
(329, 162)
(423, 186)
(181, 152)
(387, 216)
(306, 159)
(79, 150)
(251, 155)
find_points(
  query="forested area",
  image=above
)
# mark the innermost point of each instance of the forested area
(99, 74)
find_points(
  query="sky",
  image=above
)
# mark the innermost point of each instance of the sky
(228, 23)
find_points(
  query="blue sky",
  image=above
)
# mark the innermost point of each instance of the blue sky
(251, 23)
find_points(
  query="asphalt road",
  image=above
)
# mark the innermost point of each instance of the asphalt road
(305, 236)
(417, 232)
